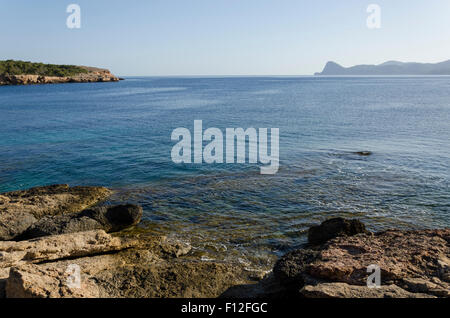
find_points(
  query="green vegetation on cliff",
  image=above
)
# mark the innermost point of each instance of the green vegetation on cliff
(12, 67)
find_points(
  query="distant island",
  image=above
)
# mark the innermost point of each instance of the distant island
(25, 73)
(388, 68)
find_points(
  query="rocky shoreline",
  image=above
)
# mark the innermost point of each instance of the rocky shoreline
(47, 234)
(93, 74)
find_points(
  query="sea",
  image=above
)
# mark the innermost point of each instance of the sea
(118, 135)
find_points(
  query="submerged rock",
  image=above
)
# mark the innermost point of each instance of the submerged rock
(333, 228)
(110, 219)
(363, 153)
(176, 248)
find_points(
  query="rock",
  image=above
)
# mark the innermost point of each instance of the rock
(108, 218)
(123, 276)
(139, 268)
(268, 287)
(343, 290)
(63, 246)
(333, 228)
(363, 153)
(60, 224)
(109, 266)
(443, 264)
(176, 248)
(115, 218)
(13, 225)
(51, 200)
(169, 278)
(421, 285)
(39, 263)
(401, 256)
(20, 209)
(4, 274)
(416, 262)
(31, 281)
(290, 269)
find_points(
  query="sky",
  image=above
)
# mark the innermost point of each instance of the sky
(223, 37)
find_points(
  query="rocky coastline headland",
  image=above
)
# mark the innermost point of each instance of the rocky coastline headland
(49, 233)
(28, 73)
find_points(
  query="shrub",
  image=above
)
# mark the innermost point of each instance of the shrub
(12, 67)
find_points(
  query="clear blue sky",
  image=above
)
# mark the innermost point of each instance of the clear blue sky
(224, 37)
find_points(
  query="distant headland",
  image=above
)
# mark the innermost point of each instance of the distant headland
(26, 73)
(388, 68)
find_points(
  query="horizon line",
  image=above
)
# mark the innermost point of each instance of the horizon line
(281, 75)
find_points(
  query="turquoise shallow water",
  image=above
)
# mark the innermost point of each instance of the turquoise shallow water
(118, 135)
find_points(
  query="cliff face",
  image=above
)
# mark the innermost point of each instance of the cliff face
(332, 68)
(93, 75)
(388, 68)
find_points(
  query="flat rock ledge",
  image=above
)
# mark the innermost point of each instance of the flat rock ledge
(97, 264)
(52, 200)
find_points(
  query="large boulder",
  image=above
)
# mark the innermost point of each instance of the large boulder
(20, 209)
(333, 228)
(115, 218)
(291, 268)
(108, 218)
(12, 225)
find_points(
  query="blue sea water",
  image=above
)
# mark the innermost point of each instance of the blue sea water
(119, 135)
